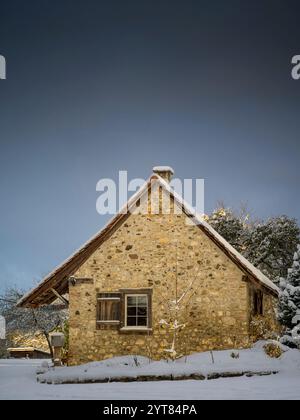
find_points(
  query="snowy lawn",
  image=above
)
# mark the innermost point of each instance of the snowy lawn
(18, 378)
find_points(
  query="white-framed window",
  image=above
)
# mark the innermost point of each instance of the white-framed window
(136, 311)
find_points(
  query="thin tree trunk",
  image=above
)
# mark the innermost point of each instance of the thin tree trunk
(49, 344)
(45, 334)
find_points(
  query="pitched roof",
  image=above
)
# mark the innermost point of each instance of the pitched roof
(58, 278)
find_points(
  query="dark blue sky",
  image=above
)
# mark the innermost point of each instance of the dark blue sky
(94, 87)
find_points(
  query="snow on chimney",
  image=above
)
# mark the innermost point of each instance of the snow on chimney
(166, 172)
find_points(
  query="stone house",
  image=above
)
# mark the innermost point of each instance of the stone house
(155, 279)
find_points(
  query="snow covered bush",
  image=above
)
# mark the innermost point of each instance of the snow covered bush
(273, 349)
(43, 368)
(230, 226)
(259, 329)
(271, 245)
(289, 303)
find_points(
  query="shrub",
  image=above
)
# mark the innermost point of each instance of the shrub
(273, 350)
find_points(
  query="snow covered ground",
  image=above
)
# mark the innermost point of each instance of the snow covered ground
(252, 360)
(18, 380)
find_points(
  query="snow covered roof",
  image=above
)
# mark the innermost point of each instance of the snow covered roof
(58, 279)
(221, 241)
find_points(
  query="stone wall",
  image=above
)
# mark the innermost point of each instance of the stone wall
(160, 251)
(263, 326)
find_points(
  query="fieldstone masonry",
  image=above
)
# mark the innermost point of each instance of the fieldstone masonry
(157, 251)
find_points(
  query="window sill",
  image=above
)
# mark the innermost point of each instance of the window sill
(135, 330)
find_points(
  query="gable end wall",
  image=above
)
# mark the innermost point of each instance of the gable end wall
(160, 246)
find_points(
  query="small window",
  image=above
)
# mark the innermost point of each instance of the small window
(136, 311)
(108, 308)
(258, 302)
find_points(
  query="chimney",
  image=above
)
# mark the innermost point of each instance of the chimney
(165, 172)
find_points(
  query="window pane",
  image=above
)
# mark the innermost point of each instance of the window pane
(142, 300)
(142, 311)
(131, 300)
(131, 310)
(142, 321)
(131, 321)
